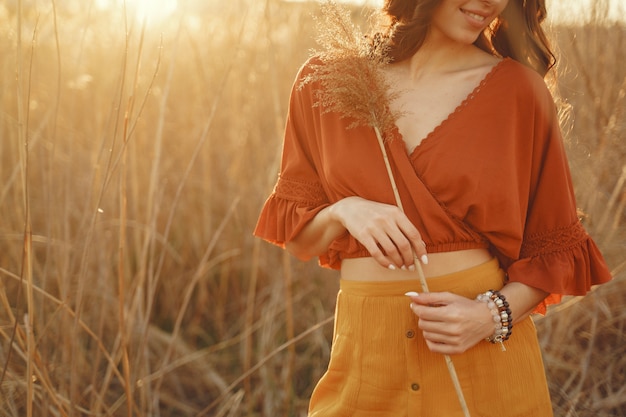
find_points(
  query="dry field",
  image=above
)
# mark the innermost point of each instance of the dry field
(134, 158)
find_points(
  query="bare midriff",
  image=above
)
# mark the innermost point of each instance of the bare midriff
(441, 263)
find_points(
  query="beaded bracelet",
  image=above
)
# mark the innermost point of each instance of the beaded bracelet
(501, 314)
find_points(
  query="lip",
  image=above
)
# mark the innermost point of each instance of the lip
(475, 18)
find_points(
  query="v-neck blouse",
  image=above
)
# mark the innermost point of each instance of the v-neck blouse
(493, 174)
(467, 101)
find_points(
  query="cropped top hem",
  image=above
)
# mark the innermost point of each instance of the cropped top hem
(333, 258)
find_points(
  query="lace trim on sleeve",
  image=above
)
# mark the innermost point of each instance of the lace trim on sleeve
(553, 241)
(309, 193)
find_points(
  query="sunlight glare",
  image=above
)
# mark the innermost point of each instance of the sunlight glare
(148, 10)
(559, 11)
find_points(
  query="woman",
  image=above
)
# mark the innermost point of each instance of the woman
(488, 210)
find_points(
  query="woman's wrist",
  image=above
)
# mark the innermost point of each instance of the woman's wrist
(512, 304)
(318, 234)
(501, 316)
(337, 212)
(522, 299)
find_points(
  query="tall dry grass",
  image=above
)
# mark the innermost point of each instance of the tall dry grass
(134, 158)
(584, 340)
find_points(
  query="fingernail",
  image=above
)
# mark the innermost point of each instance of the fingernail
(411, 294)
(403, 268)
(411, 267)
(392, 267)
(424, 259)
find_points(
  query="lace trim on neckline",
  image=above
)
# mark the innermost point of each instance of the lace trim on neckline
(466, 101)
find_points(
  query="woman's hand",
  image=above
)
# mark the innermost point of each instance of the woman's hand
(383, 229)
(451, 324)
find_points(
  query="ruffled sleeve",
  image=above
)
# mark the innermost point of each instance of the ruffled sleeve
(564, 261)
(292, 204)
(556, 254)
(298, 194)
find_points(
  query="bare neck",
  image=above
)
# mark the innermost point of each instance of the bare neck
(435, 60)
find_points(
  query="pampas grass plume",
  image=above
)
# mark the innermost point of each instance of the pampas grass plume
(350, 74)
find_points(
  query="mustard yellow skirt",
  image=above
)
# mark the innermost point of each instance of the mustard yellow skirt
(380, 364)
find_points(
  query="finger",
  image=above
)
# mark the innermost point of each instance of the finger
(378, 238)
(439, 331)
(390, 248)
(435, 298)
(420, 252)
(439, 309)
(402, 250)
(417, 304)
(379, 256)
(417, 244)
(433, 314)
(437, 337)
(444, 348)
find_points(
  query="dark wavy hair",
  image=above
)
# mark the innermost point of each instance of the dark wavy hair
(516, 33)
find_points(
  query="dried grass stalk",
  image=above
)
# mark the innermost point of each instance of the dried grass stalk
(351, 76)
(353, 84)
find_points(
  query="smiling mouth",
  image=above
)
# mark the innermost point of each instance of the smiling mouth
(478, 18)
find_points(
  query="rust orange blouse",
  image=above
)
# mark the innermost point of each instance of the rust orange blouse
(493, 175)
